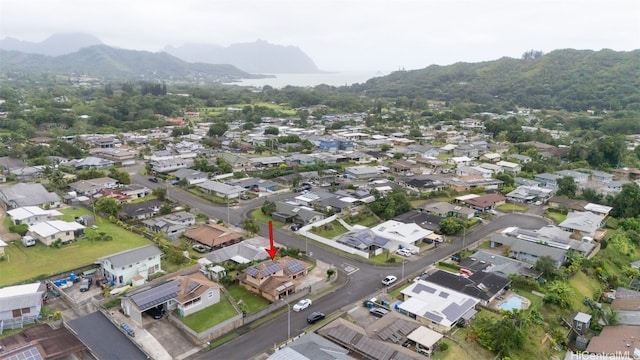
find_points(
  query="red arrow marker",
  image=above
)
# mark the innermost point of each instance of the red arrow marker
(272, 250)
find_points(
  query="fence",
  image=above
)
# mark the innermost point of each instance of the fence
(212, 332)
(277, 305)
(304, 231)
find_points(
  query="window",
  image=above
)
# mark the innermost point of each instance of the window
(68, 232)
(210, 294)
(130, 265)
(53, 237)
(157, 267)
(26, 310)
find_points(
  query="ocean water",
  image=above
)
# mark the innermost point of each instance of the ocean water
(304, 80)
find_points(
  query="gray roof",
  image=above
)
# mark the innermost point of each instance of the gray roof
(104, 339)
(23, 194)
(128, 257)
(311, 346)
(156, 295)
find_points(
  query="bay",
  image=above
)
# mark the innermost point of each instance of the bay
(310, 80)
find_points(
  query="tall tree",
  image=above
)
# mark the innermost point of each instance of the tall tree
(567, 187)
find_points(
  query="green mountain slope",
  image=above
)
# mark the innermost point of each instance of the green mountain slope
(112, 63)
(567, 79)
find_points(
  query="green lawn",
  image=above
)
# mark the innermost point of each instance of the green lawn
(40, 261)
(210, 316)
(555, 216)
(454, 352)
(252, 301)
(330, 230)
(368, 221)
(511, 207)
(264, 219)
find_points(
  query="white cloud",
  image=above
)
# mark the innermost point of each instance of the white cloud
(342, 34)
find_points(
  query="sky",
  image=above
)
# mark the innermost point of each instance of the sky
(346, 35)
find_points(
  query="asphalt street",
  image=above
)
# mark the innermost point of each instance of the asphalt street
(364, 282)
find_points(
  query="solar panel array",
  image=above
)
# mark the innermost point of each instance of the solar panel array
(397, 331)
(156, 295)
(374, 349)
(433, 316)
(271, 269)
(421, 287)
(295, 266)
(193, 286)
(443, 294)
(343, 334)
(454, 311)
(252, 271)
(29, 354)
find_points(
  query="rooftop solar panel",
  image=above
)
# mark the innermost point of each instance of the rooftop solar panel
(156, 295)
(443, 294)
(433, 317)
(28, 354)
(343, 334)
(295, 266)
(271, 269)
(421, 287)
(252, 271)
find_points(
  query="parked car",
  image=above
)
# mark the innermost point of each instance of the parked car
(295, 227)
(403, 252)
(85, 284)
(389, 280)
(315, 317)
(153, 179)
(155, 312)
(201, 248)
(302, 304)
(378, 312)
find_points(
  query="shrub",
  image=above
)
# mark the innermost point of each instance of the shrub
(443, 346)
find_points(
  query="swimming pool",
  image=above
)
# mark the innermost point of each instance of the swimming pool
(512, 302)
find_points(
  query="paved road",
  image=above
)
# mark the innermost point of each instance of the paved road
(365, 281)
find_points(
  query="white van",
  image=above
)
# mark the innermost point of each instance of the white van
(28, 241)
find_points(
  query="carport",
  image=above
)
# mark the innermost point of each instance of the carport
(425, 339)
(135, 304)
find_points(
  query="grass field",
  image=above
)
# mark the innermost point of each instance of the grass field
(368, 221)
(264, 219)
(40, 261)
(511, 207)
(454, 352)
(210, 316)
(252, 301)
(555, 216)
(330, 230)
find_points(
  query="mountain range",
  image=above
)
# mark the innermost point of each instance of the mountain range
(257, 57)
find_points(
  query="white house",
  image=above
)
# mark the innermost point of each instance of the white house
(121, 267)
(221, 189)
(585, 223)
(31, 215)
(435, 306)
(51, 231)
(510, 167)
(400, 235)
(20, 304)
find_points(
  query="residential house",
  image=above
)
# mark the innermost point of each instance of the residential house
(581, 323)
(444, 209)
(241, 253)
(237, 162)
(27, 173)
(93, 186)
(48, 232)
(291, 212)
(122, 267)
(311, 346)
(192, 177)
(140, 211)
(255, 184)
(187, 294)
(510, 167)
(484, 261)
(274, 280)
(598, 209)
(300, 160)
(466, 150)
(467, 183)
(547, 180)
(214, 236)
(424, 184)
(31, 215)
(362, 172)
(118, 155)
(23, 194)
(554, 236)
(424, 152)
(529, 251)
(267, 161)
(493, 168)
(43, 341)
(221, 190)
(570, 204)
(579, 178)
(530, 194)
(618, 340)
(582, 223)
(169, 165)
(362, 239)
(614, 186)
(90, 163)
(482, 286)
(422, 219)
(20, 304)
(405, 167)
(486, 202)
(460, 160)
(401, 235)
(522, 159)
(171, 225)
(435, 306)
(491, 157)
(475, 171)
(631, 174)
(598, 176)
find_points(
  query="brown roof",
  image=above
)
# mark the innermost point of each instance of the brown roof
(51, 343)
(213, 235)
(626, 304)
(205, 284)
(273, 282)
(612, 339)
(486, 200)
(569, 203)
